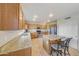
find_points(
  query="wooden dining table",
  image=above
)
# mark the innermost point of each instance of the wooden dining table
(54, 41)
(49, 41)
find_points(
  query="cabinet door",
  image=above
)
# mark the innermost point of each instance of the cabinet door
(10, 16)
(4, 16)
(0, 18)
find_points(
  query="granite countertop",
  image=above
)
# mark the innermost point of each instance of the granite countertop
(14, 40)
(6, 36)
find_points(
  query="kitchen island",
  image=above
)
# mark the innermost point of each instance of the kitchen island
(15, 43)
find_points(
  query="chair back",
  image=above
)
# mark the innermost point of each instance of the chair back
(67, 41)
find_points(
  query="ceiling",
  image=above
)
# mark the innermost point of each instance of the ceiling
(39, 12)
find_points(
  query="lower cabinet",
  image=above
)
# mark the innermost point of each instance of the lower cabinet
(22, 52)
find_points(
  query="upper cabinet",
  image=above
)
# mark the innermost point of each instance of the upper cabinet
(9, 16)
(0, 17)
(21, 19)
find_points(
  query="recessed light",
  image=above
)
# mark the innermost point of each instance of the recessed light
(35, 16)
(50, 15)
(48, 21)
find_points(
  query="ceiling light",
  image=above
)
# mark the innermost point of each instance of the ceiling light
(51, 15)
(35, 16)
(48, 20)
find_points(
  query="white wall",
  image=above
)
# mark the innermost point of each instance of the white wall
(78, 36)
(69, 28)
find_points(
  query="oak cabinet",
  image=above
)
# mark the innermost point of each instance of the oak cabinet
(9, 16)
(0, 18)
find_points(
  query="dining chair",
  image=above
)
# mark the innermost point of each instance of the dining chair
(56, 48)
(60, 46)
(65, 46)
